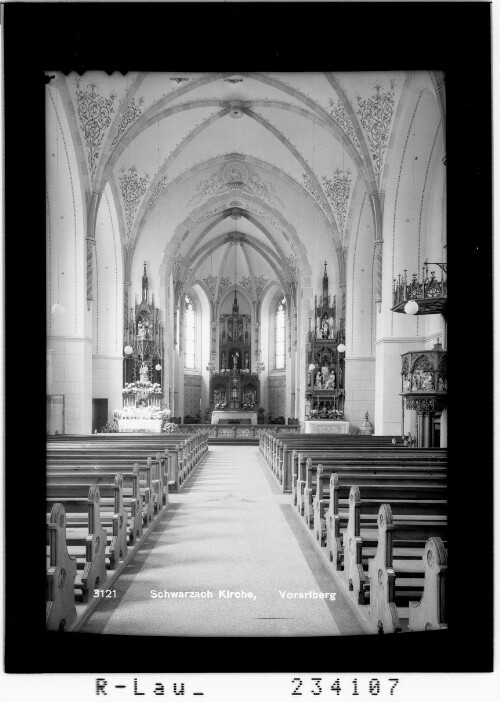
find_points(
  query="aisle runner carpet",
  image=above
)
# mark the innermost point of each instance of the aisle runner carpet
(229, 530)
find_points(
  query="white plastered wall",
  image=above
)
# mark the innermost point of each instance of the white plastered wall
(107, 307)
(70, 335)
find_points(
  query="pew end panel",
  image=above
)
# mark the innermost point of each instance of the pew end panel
(430, 612)
(61, 573)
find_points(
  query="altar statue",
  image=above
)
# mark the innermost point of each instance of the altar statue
(235, 360)
(144, 373)
(318, 385)
(246, 360)
(330, 381)
(223, 364)
(141, 330)
(325, 328)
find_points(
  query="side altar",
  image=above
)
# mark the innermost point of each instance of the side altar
(143, 356)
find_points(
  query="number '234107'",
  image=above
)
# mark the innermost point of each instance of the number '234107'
(318, 686)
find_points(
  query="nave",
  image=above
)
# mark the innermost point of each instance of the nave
(229, 529)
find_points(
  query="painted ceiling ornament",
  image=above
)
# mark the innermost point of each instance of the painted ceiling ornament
(235, 174)
(179, 80)
(157, 190)
(260, 284)
(94, 113)
(224, 283)
(177, 264)
(293, 265)
(313, 190)
(133, 187)
(337, 111)
(264, 188)
(208, 187)
(233, 81)
(376, 114)
(338, 193)
(133, 112)
(211, 283)
(247, 284)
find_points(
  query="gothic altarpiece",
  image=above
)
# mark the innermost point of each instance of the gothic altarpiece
(325, 364)
(234, 386)
(143, 361)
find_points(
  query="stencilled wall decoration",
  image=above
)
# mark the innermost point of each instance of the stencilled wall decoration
(94, 113)
(224, 283)
(293, 266)
(211, 283)
(338, 193)
(376, 114)
(133, 111)
(133, 187)
(247, 284)
(264, 188)
(339, 114)
(235, 175)
(313, 190)
(260, 284)
(157, 190)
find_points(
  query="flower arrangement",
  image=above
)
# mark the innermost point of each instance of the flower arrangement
(220, 405)
(326, 414)
(146, 388)
(149, 412)
(249, 405)
(169, 427)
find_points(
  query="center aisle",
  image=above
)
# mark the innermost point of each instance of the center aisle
(230, 530)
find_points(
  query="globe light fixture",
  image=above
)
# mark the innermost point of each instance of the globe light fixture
(158, 367)
(312, 367)
(58, 310)
(128, 350)
(411, 307)
(341, 348)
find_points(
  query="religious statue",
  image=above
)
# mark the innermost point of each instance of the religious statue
(144, 373)
(235, 360)
(324, 372)
(223, 363)
(330, 381)
(325, 328)
(240, 331)
(141, 331)
(318, 385)
(246, 360)
(427, 382)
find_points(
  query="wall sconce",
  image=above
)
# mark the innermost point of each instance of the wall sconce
(341, 348)
(128, 350)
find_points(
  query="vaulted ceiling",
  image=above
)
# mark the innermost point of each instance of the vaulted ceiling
(211, 166)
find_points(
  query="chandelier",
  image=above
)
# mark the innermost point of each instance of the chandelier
(425, 295)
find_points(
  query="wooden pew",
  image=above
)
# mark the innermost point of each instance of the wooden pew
(85, 539)
(132, 499)
(394, 582)
(107, 511)
(61, 572)
(111, 465)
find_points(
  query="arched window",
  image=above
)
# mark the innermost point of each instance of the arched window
(280, 334)
(189, 334)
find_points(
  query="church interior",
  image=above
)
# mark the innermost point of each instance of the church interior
(246, 353)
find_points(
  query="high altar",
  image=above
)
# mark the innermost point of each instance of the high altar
(234, 388)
